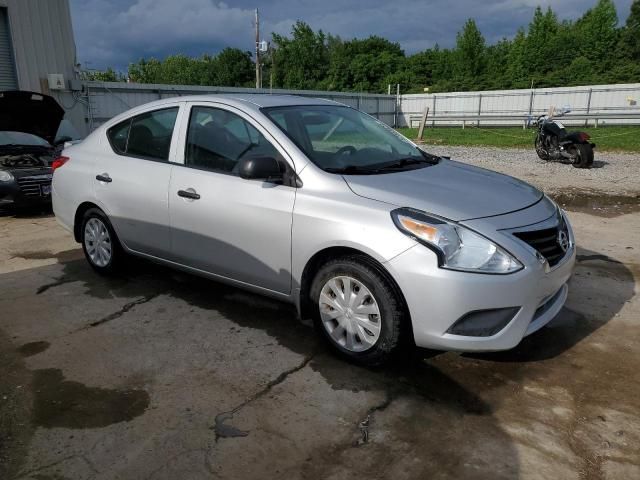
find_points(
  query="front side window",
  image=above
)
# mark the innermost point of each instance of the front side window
(217, 139)
(147, 135)
(343, 140)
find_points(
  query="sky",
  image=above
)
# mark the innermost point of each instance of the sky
(113, 33)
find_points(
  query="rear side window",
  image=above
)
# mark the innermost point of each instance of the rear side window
(146, 136)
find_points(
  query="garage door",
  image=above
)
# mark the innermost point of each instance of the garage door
(7, 67)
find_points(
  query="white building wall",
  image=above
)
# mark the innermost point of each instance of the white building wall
(42, 39)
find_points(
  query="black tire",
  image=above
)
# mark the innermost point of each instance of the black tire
(584, 155)
(116, 259)
(391, 307)
(542, 154)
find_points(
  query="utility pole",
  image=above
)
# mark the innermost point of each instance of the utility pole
(258, 82)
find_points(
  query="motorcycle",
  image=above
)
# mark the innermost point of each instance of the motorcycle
(553, 142)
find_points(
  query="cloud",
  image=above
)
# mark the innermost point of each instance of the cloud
(116, 32)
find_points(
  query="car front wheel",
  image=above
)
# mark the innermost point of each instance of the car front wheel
(356, 310)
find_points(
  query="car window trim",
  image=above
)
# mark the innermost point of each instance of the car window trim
(240, 113)
(130, 120)
(264, 131)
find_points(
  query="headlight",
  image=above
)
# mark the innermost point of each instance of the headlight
(5, 176)
(458, 248)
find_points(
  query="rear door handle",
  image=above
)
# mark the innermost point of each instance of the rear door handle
(189, 193)
(104, 177)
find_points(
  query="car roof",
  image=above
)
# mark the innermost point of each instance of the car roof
(253, 101)
(268, 100)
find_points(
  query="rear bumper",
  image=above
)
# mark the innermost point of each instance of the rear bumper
(62, 209)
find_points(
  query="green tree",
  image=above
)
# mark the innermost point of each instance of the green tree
(598, 34)
(541, 46)
(300, 62)
(497, 57)
(108, 75)
(470, 49)
(517, 69)
(234, 68)
(629, 47)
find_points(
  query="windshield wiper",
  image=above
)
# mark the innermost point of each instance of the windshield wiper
(352, 169)
(404, 162)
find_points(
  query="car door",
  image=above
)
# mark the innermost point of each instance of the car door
(132, 180)
(223, 224)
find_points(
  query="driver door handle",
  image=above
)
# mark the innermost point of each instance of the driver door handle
(191, 194)
(104, 177)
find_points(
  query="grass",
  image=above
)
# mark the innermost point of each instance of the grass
(626, 139)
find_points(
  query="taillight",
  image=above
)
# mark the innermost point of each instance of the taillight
(58, 162)
(584, 136)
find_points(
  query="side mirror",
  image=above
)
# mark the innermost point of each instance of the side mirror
(266, 169)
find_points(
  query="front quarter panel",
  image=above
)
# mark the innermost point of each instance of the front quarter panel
(327, 214)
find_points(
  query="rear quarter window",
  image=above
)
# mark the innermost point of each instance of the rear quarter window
(147, 135)
(118, 136)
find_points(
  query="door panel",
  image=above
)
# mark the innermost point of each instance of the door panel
(236, 228)
(239, 229)
(136, 201)
(132, 180)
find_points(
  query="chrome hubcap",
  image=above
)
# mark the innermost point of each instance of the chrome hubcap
(350, 313)
(97, 242)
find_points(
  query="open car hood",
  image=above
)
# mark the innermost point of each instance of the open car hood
(30, 112)
(449, 189)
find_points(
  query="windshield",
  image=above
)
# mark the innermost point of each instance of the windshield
(344, 140)
(21, 138)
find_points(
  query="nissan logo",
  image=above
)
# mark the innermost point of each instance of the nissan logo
(563, 240)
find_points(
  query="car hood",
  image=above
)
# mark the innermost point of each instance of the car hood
(30, 112)
(449, 189)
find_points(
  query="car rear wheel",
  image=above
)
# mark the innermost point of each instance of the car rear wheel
(100, 243)
(357, 310)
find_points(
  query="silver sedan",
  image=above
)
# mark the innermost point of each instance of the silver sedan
(318, 204)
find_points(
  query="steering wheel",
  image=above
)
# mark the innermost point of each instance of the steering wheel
(347, 148)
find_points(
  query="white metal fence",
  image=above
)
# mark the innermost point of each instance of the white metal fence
(616, 104)
(108, 99)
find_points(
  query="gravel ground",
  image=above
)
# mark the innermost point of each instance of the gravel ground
(613, 173)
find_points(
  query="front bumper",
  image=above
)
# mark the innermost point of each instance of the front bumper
(26, 193)
(437, 297)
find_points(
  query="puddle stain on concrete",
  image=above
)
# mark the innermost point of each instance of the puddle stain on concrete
(223, 430)
(597, 203)
(69, 404)
(33, 348)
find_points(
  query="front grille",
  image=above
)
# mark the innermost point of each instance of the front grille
(35, 186)
(547, 241)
